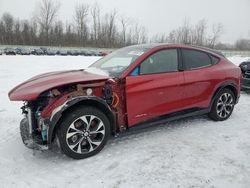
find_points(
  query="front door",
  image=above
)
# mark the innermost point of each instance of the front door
(156, 88)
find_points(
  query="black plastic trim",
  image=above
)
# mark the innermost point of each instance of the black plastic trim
(170, 117)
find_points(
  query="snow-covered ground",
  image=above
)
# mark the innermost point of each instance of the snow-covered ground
(192, 152)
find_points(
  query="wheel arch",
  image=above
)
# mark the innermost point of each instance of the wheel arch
(76, 103)
(229, 85)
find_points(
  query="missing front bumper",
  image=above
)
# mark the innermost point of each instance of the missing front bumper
(28, 139)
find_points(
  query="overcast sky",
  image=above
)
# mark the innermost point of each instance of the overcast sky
(158, 16)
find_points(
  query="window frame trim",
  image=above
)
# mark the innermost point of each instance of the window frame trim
(179, 62)
(202, 67)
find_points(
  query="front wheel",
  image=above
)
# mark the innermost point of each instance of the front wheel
(83, 132)
(223, 105)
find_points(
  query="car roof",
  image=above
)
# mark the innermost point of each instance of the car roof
(156, 45)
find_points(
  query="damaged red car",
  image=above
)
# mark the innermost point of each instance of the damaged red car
(133, 87)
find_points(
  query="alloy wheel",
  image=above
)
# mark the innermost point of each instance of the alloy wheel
(85, 134)
(225, 105)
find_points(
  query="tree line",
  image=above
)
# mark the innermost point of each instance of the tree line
(94, 28)
(90, 27)
(202, 35)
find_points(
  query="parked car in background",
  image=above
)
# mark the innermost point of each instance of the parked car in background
(63, 52)
(133, 87)
(102, 53)
(45, 50)
(24, 51)
(82, 52)
(87, 53)
(9, 51)
(1, 52)
(73, 52)
(91, 53)
(245, 79)
(37, 51)
(51, 52)
(18, 51)
(94, 53)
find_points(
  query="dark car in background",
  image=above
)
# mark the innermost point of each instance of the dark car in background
(18, 51)
(9, 51)
(45, 50)
(245, 78)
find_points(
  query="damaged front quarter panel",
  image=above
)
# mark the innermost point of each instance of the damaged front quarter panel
(102, 97)
(58, 112)
(49, 109)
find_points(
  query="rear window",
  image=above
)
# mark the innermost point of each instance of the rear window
(195, 59)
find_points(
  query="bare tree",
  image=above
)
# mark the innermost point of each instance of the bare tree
(139, 34)
(185, 32)
(33, 31)
(81, 13)
(2, 32)
(199, 33)
(182, 35)
(217, 30)
(111, 26)
(242, 44)
(125, 22)
(96, 28)
(159, 38)
(17, 32)
(58, 33)
(103, 30)
(172, 37)
(8, 23)
(48, 10)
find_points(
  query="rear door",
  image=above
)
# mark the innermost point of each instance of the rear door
(201, 76)
(154, 88)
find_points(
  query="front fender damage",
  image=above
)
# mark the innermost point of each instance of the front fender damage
(58, 111)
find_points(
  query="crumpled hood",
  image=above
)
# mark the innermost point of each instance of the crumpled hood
(32, 88)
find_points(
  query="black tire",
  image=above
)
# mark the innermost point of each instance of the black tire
(220, 110)
(91, 132)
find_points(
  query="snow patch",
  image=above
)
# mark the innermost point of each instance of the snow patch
(192, 152)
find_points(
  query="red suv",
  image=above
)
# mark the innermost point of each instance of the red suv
(133, 87)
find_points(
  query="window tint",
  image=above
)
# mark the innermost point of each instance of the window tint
(215, 60)
(161, 61)
(195, 59)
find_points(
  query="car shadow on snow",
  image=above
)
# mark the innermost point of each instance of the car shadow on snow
(119, 140)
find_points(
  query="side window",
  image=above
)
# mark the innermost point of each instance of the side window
(161, 61)
(194, 59)
(215, 60)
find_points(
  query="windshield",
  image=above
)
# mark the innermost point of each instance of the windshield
(117, 62)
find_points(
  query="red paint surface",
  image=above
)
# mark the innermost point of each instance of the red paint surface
(141, 97)
(33, 87)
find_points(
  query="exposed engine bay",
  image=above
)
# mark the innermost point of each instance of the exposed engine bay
(42, 113)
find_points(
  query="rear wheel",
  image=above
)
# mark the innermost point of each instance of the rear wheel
(223, 105)
(83, 132)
